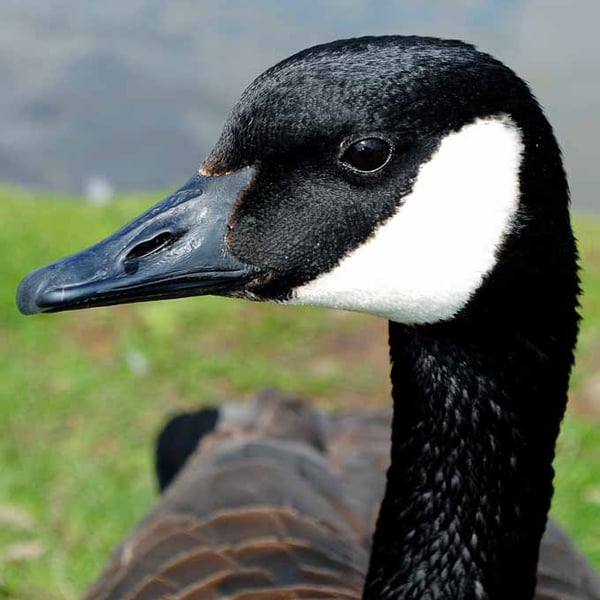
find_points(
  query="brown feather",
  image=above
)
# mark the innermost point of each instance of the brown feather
(279, 503)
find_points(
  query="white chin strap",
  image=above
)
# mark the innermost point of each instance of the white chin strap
(424, 263)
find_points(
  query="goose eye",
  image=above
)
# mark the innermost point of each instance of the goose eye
(367, 155)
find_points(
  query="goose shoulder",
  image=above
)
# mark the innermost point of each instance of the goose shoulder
(257, 511)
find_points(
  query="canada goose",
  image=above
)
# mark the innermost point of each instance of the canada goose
(411, 178)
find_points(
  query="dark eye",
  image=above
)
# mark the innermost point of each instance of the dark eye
(367, 155)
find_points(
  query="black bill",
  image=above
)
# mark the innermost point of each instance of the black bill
(177, 248)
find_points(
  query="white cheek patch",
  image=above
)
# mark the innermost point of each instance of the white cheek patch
(424, 263)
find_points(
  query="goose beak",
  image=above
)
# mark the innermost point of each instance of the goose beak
(177, 248)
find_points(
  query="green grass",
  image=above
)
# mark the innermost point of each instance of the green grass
(83, 394)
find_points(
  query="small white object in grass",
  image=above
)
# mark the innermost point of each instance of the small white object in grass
(22, 551)
(98, 190)
(137, 362)
(15, 516)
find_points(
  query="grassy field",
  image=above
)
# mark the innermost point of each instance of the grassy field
(84, 393)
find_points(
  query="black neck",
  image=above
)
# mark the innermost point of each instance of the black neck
(476, 415)
(478, 402)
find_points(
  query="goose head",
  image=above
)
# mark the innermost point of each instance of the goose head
(384, 175)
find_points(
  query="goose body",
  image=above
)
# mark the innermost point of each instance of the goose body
(411, 178)
(281, 493)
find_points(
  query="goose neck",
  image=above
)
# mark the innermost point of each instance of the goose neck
(470, 481)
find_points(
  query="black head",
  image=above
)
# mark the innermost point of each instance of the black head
(376, 174)
(295, 122)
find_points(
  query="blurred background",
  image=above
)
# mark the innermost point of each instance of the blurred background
(106, 105)
(134, 93)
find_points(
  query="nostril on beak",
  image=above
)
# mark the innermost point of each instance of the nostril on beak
(147, 248)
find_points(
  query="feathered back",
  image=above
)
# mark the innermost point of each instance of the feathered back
(278, 503)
